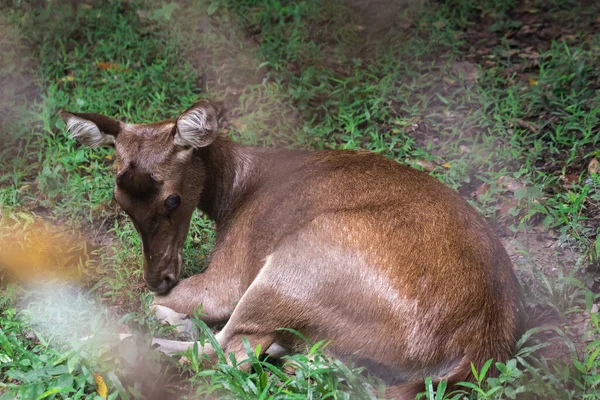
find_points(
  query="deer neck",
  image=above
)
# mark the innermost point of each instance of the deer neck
(232, 172)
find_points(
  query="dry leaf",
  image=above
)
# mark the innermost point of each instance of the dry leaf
(405, 24)
(481, 190)
(101, 388)
(449, 81)
(509, 184)
(593, 166)
(527, 125)
(530, 55)
(532, 81)
(467, 70)
(439, 24)
(109, 66)
(426, 165)
(570, 179)
(462, 149)
(68, 78)
(507, 206)
(184, 361)
(105, 65)
(412, 128)
(569, 37)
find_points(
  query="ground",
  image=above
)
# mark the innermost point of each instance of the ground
(498, 99)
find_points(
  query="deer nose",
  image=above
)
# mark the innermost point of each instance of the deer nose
(166, 283)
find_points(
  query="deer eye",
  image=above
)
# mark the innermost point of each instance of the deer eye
(172, 202)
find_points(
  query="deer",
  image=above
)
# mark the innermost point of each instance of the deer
(392, 267)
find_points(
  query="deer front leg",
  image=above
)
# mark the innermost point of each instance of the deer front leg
(216, 295)
(227, 343)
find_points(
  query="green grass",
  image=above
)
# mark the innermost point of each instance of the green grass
(515, 137)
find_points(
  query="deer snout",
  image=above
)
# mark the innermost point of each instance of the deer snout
(162, 284)
(161, 276)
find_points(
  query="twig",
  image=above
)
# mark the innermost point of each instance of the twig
(528, 125)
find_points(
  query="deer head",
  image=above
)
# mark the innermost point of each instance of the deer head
(158, 182)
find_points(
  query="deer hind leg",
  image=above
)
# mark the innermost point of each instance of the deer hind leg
(232, 344)
(257, 317)
(229, 342)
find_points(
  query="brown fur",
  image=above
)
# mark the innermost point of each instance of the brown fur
(383, 260)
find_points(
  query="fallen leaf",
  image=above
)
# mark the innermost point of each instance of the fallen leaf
(530, 55)
(527, 125)
(593, 166)
(412, 128)
(570, 179)
(105, 65)
(184, 361)
(101, 388)
(509, 184)
(481, 191)
(167, 10)
(532, 81)
(448, 81)
(507, 206)
(68, 78)
(109, 66)
(143, 14)
(569, 37)
(426, 165)
(467, 70)
(344, 70)
(405, 24)
(528, 29)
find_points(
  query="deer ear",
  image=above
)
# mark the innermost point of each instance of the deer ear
(197, 126)
(93, 130)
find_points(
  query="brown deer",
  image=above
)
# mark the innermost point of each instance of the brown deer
(390, 265)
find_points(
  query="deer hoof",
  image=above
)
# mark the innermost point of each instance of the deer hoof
(166, 316)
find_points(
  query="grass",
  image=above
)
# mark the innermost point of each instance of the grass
(512, 125)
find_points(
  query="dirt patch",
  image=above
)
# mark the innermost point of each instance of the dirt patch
(539, 249)
(18, 87)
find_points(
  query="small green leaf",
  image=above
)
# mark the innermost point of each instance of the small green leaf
(212, 7)
(484, 369)
(165, 11)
